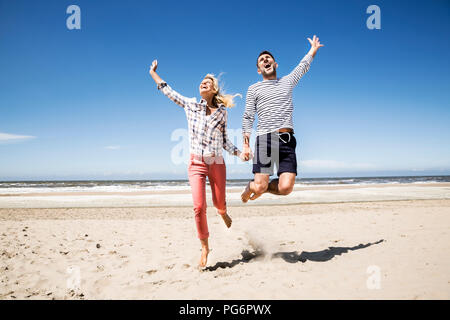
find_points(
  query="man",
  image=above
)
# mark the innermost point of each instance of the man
(271, 99)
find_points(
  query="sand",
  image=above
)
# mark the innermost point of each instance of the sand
(393, 243)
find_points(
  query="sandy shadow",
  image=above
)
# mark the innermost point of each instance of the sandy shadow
(319, 256)
(246, 257)
(292, 257)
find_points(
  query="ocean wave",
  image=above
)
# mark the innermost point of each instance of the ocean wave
(20, 187)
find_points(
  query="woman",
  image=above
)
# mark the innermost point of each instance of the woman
(207, 121)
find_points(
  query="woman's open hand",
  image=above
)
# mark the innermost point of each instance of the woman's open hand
(153, 66)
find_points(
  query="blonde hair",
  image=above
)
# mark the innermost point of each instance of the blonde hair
(220, 97)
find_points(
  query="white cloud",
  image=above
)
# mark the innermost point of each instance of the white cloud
(113, 147)
(335, 165)
(10, 138)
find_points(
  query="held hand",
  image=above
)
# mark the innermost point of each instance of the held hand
(153, 66)
(243, 157)
(246, 153)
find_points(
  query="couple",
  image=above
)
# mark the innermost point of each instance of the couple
(271, 99)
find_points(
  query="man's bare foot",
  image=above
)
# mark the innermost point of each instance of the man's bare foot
(204, 257)
(227, 219)
(246, 194)
(255, 196)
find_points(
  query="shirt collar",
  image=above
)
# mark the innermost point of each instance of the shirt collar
(204, 104)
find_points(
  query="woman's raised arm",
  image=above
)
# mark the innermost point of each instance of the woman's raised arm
(166, 89)
(153, 73)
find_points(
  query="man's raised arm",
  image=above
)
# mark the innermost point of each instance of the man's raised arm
(305, 63)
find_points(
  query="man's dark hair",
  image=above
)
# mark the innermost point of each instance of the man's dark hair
(264, 52)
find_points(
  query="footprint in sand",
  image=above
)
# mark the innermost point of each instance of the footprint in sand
(151, 271)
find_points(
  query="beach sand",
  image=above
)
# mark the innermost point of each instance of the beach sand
(369, 242)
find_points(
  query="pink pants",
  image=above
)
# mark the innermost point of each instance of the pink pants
(214, 168)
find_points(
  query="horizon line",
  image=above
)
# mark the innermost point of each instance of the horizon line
(181, 179)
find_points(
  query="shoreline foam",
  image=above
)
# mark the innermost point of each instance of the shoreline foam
(310, 194)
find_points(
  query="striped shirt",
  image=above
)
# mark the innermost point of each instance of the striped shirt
(207, 134)
(272, 101)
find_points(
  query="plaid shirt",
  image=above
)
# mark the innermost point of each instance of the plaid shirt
(207, 137)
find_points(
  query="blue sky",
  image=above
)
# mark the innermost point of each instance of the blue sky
(79, 104)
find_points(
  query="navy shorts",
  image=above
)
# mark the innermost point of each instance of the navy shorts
(275, 149)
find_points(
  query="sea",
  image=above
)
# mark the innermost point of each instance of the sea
(20, 187)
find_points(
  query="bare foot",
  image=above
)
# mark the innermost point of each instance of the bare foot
(255, 196)
(204, 257)
(227, 219)
(246, 194)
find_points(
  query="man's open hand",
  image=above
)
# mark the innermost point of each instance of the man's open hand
(315, 45)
